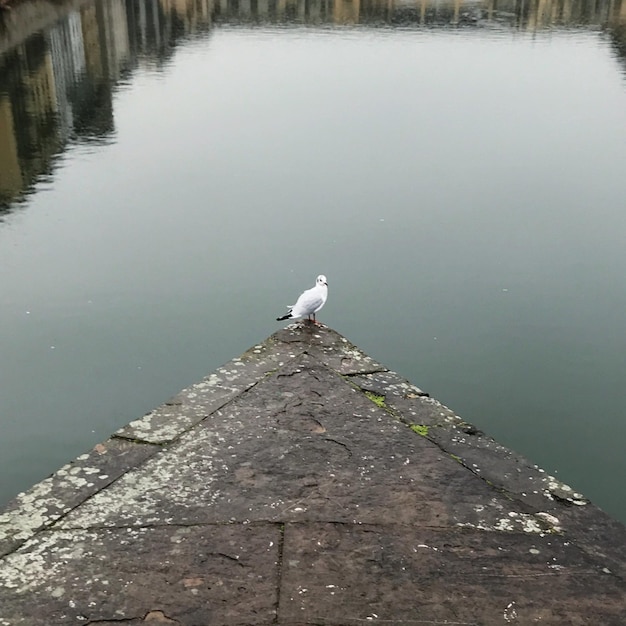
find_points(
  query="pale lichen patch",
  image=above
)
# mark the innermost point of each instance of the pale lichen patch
(29, 567)
(554, 488)
(44, 503)
(512, 521)
(136, 498)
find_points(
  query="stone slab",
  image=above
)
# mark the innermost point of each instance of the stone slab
(51, 499)
(188, 575)
(342, 574)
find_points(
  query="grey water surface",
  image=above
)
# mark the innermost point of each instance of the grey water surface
(172, 175)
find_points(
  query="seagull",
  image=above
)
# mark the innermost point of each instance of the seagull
(309, 302)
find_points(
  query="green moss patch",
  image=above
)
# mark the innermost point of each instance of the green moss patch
(375, 398)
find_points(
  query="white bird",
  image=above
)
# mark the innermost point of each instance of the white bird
(309, 302)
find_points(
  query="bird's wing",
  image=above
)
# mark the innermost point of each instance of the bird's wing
(309, 302)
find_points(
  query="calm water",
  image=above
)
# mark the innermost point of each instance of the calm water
(173, 174)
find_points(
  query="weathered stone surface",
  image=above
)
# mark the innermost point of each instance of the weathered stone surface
(270, 456)
(71, 485)
(388, 384)
(482, 455)
(189, 575)
(504, 468)
(191, 405)
(599, 535)
(303, 483)
(341, 574)
(330, 348)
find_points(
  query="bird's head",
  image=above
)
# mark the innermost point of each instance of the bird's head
(321, 281)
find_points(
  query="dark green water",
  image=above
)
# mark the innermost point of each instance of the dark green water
(173, 175)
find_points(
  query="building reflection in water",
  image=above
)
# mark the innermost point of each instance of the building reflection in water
(56, 86)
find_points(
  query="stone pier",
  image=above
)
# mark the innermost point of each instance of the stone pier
(304, 483)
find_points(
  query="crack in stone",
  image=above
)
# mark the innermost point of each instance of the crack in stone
(279, 573)
(100, 527)
(289, 374)
(139, 441)
(363, 373)
(154, 616)
(227, 556)
(373, 618)
(339, 443)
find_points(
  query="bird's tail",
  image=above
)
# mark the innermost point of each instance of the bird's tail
(284, 317)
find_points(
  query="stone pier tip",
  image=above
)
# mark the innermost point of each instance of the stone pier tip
(305, 483)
